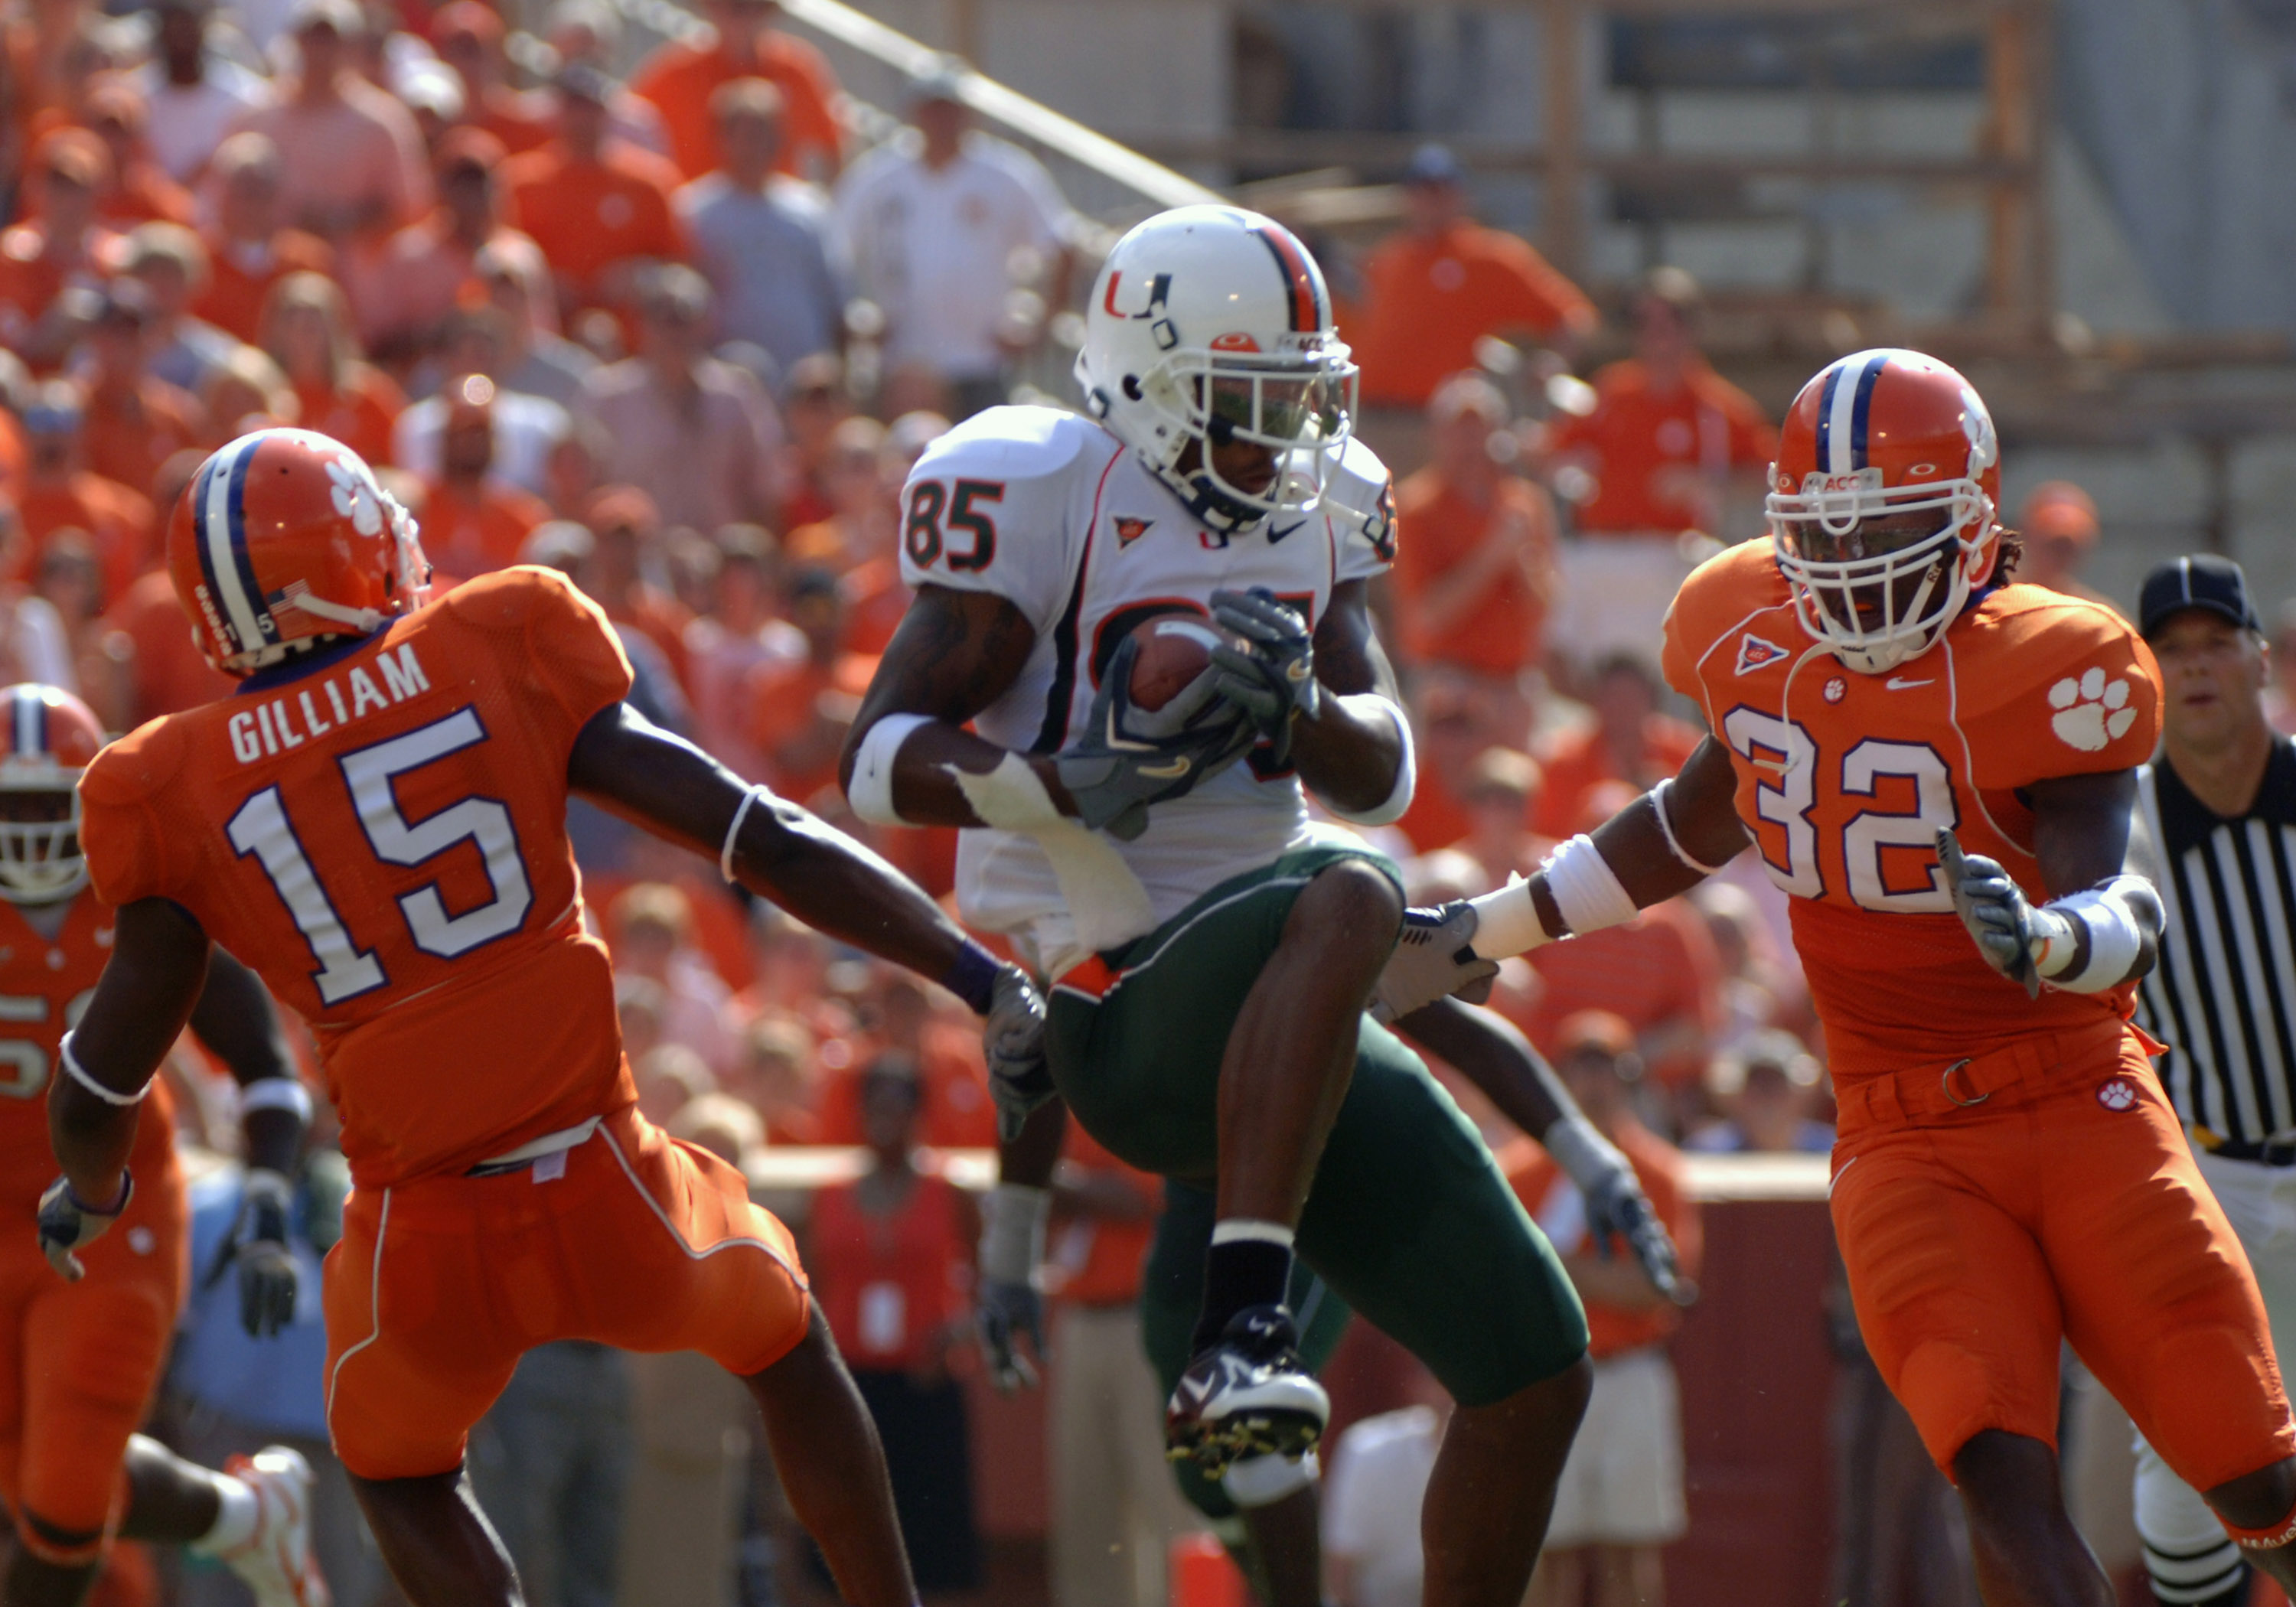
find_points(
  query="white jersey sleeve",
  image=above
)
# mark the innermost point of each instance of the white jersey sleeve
(988, 508)
(1359, 501)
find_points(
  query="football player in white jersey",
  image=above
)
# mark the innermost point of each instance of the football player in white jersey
(1213, 950)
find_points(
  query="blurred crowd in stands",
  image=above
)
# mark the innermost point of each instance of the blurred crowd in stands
(650, 317)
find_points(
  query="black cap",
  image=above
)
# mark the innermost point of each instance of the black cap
(2202, 581)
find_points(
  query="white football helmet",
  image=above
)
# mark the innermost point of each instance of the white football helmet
(1210, 325)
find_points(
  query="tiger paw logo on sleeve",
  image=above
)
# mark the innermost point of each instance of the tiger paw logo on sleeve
(2091, 712)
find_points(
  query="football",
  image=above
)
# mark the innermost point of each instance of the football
(1173, 649)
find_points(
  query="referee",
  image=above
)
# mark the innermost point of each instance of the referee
(2216, 833)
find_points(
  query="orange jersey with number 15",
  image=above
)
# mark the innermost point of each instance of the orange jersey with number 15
(380, 832)
(1844, 779)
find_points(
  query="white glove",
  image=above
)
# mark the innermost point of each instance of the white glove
(1434, 958)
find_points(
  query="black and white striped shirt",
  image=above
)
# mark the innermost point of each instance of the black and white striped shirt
(2223, 996)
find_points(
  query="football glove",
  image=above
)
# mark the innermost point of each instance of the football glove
(1273, 677)
(1009, 1306)
(1993, 907)
(1434, 958)
(1013, 1037)
(1130, 758)
(1616, 1204)
(258, 1249)
(69, 1223)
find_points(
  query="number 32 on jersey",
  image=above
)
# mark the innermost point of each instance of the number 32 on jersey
(1885, 804)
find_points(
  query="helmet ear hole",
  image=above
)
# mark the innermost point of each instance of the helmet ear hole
(1132, 386)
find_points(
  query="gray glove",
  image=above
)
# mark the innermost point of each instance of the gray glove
(1434, 957)
(1273, 677)
(1616, 1204)
(1008, 1307)
(68, 1223)
(1012, 1037)
(1129, 758)
(257, 1248)
(1993, 907)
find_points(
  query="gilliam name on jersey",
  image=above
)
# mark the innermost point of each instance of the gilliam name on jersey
(293, 717)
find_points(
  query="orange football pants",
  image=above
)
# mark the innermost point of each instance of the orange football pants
(2040, 1191)
(438, 1286)
(78, 1363)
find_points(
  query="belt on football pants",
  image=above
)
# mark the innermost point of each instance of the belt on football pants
(1940, 1088)
(2278, 1151)
(536, 1149)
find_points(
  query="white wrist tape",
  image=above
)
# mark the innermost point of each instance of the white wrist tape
(2117, 917)
(276, 1094)
(733, 830)
(1674, 844)
(1585, 888)
(268, 1187)
(1105, 899)
(1397, 801)
(1012, 797)
(1012, 1219)
(73, 1070)
(872, 792)
(1584, 1155)
(1264, 1480)
(1506, 922)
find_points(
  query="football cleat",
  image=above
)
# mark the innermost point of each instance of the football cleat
(276, 1562)
(1247, 1396)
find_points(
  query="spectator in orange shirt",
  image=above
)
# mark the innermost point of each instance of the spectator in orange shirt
(474, 522)
(1621, 1498)
(815, 400)
(902, 1019)
(1629, 741)
(626, 527)
(166, 672)
(598, 206)
(590, 31)
(1475, 572)
(734, 641)
(63, 245)
(140, 192)
(470, 40)
(1499, 793)
(1446, 282)
(421, 274)
(251, 249)
(171, 264)
(307, 329)
(136, 421)
(2059, 524)
(61, 493)
(71, 581)
(679, 79)
(802, 711)
(856, 540)
(351, 160)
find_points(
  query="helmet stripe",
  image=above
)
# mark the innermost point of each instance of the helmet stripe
(1307, 298)
(40, 720)
(27, 730)
(1861, 408)
(221, 529)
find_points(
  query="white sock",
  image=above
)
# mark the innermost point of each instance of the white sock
(236, 1511)
(1239, 1229)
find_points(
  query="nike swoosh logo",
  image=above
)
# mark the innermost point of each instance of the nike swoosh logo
(1898, 683)
(1275, 535)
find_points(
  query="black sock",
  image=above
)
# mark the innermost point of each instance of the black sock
(1241, 1273)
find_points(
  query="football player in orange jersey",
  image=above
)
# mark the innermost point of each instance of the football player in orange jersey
(79, 1359)
(376, 824)
(2008, 1172)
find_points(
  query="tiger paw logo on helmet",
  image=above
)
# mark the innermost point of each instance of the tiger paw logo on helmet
(2091, 712)
(356, 499)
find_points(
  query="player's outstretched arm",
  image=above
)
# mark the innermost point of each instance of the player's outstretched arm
(238, 1022)
(158, 965)
(1665, 843)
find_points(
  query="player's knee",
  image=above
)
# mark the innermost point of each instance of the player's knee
(1351, 901)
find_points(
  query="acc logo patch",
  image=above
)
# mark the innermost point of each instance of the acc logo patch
(2117, 1093)
(1753, 653)
(2091, 712)
(1129, 530)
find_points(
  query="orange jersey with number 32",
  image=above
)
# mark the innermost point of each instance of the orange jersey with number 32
(1844, 779)
(381, 835)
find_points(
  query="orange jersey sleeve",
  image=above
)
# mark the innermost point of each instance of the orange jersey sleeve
(381, 833)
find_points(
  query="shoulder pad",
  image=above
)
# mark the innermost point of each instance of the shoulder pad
(1359, 482)
(506, 599)
(1011, 443)
(138, 764)
(2028, 633)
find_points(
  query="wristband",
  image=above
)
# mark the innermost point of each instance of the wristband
(1397, 801)
(973, 977)
(79, 1074)
(1506, 922)
(276, 1094)
(733, 830)
(1012, 1219)
(871, 793)
(265, 1187)
(117, 1207)
(1585, 888)
(1674, 844)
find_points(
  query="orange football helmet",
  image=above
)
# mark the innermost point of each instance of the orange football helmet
(48, 736)
(282, 537)
(1882, 504)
